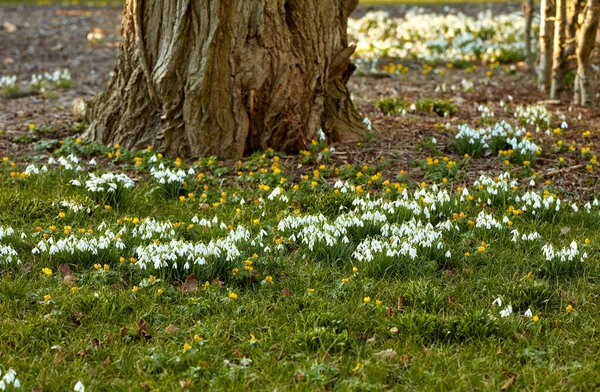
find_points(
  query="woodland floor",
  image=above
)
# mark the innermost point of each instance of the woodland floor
(101, 316)
(42, 39)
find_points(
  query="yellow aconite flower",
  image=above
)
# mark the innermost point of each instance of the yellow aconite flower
(97, 266)
(187, 347)
(269, 279)
(233, 295)
(47, 297)
(134, 289)
(355, 269)
(535, 318)
(367, 300)
(569, 309)
(378, 302)
(345, 280)
(47, 271)
(74, 289)
(197, 338)
(253, 339)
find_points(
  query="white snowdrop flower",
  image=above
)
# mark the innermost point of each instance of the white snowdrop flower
(497, 301)
(506, 312)
(528, 313)
(322, 136)
(245, 361)
(92, 162)
(368, 123)
(564, 125)
(75, 182)
(79, 387)
(448, 254)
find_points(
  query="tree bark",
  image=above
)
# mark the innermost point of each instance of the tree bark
(228, 77)
(559, 58)
(547, 13)
(528, 11)
(585, 91)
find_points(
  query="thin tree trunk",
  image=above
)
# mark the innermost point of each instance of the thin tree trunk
(547, 12)
(574, 10)
(528, 11)
(585, 91)
(559, 58)
(228, 77)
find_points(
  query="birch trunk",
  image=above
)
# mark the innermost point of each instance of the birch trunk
(228, 77)
(547, 12)
(559, 58)
(585, 91)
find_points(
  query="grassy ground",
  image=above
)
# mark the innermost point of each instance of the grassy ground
(304, 317)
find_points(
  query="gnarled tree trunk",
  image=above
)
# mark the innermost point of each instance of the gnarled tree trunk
(546, 44)
(228, 77)
(585, 91)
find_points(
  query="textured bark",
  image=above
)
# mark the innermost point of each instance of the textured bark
(547, 13)
(574, 10)
(585, 91)
(559, 58)
(229, 77)
(528, 11)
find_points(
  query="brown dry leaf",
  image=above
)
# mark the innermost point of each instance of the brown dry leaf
(69, 280)
(171, 329)
(190, 284)
(142, 328)
(26, 268)
(507, 385)
(286, 292)
(124, 331)
(386, 354)
(401, 300)
(185, 384)
(65, 269)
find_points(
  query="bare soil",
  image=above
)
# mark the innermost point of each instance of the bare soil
(37, 39)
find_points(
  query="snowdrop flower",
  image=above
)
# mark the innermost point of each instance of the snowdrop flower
(506, 312)
(528, 313)
(79, 387)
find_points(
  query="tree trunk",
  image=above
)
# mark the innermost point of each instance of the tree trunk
(528, 11)
(574, 10)
(558, 63)
(228, 77)
(585, 91)
(547, 12)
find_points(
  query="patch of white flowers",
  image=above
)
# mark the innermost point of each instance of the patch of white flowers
(432, 37)
(108, 182)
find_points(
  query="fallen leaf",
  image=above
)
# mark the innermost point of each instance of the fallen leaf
(142, 328)
(124, 331)
(190, 284)
(286, 292)
(507, 385)
(386, 354)
(185, 384)
(171, 329)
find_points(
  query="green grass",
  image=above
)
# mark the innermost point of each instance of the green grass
(312, 330)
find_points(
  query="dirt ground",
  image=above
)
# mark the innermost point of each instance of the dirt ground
(36, 39)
